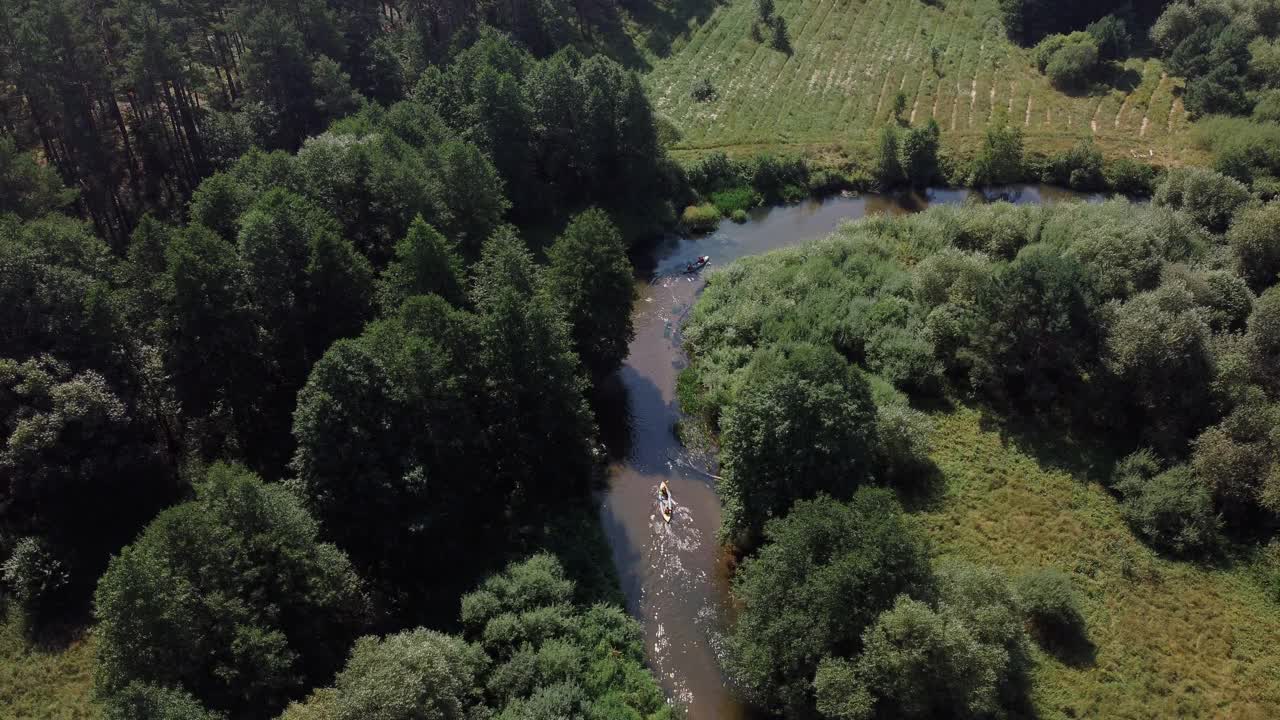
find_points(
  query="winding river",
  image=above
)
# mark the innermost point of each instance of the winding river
(675, 577)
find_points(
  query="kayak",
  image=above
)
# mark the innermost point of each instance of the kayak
(698, 264)
(668, 509)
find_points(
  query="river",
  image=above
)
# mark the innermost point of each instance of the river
(674, 576)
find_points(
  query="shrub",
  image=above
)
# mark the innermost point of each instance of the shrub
(1079, 168)
(1112, 37)
(1255, 239)
(701, 218)
(230, 597)
(35, 577)
(1210, 197)
(739, 216)
(1172, 509)
(1049, 600)
(717, 172)
(409, 675)
(770, 176)
(735, 199)
(966, 658)
(1071, 66)
(703, 90)
(801, 424)
(1129, 177)
(1042, 54)
(999, 162)
(828, 570)
(1267, 109)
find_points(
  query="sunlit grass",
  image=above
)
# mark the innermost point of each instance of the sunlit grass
(1172, 639)
(851, 57)
(39, 683)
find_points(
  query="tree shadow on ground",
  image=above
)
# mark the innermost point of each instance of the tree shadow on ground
(1054, 442)
(1070, 646)
(665, 20)
(1122, 78)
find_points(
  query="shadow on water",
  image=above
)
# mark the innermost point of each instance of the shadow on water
(674, 576)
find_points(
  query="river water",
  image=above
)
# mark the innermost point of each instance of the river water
(674, 576)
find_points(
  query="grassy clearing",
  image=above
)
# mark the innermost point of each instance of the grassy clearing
(851, 57)
(1170, 639)
(45, 684)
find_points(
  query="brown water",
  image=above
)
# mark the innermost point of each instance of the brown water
(674, 576)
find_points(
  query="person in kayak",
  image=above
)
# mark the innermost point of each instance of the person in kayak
(697, 264)
(665, 501)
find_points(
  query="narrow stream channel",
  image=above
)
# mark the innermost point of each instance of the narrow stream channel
(673, 576)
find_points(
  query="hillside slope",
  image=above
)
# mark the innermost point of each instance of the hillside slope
(1168, 639)
(851, 57)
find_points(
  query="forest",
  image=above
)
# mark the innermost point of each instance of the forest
(310, 313)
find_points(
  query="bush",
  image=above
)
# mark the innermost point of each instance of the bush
(828, 570)
(717, 172)
(1255, 240)
(801, 425)
(1049, 600)
(1171, 509)
(1071, 66)
(1000, 161)
(1210, 197)
(35, 577)
(701, 218)
(1267, 109)
(703, 90)
(1247, 151)
(739, 216)
(1112, 37)
(230, 597)
(1079, 168)
(1044, 51)
(735, 199)
(1129, 177)
(409, 675)
(771, 176)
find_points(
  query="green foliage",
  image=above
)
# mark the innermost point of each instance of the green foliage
(1112, 37)
(701, 218)
(425, 263)
(1267, 109)
(35, 578)
(1080, 168)
(826, 573)
(146, 701)
(1211, 198)
(1071, 65)
(1170, 508)
(409, 675)
(27, 188)
(1255, 239)
(703, 90)
(591, 280)
(230, 598)
(1129, 177)
(999, 162)
(1236, 459)
(1038, 334)
(1049, 600)
(1158, 347)
(888, 165)
(918, 154)
(739, 199)
(802, 424)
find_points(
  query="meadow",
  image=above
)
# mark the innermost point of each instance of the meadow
(849, 60)
(39, 682)
(1167, 638)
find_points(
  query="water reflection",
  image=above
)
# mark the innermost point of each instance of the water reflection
(673, 576)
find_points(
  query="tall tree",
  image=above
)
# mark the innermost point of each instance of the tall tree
(591, 278)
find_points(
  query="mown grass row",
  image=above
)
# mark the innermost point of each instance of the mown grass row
(851, 57)
(1167, 639)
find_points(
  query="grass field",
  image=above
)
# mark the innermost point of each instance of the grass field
(851, 57)
(44, 684)
(1170, 639)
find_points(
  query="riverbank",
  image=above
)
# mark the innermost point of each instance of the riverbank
(1165, 634)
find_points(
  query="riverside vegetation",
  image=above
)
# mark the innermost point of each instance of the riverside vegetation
(1077, 405)
(303, 306)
